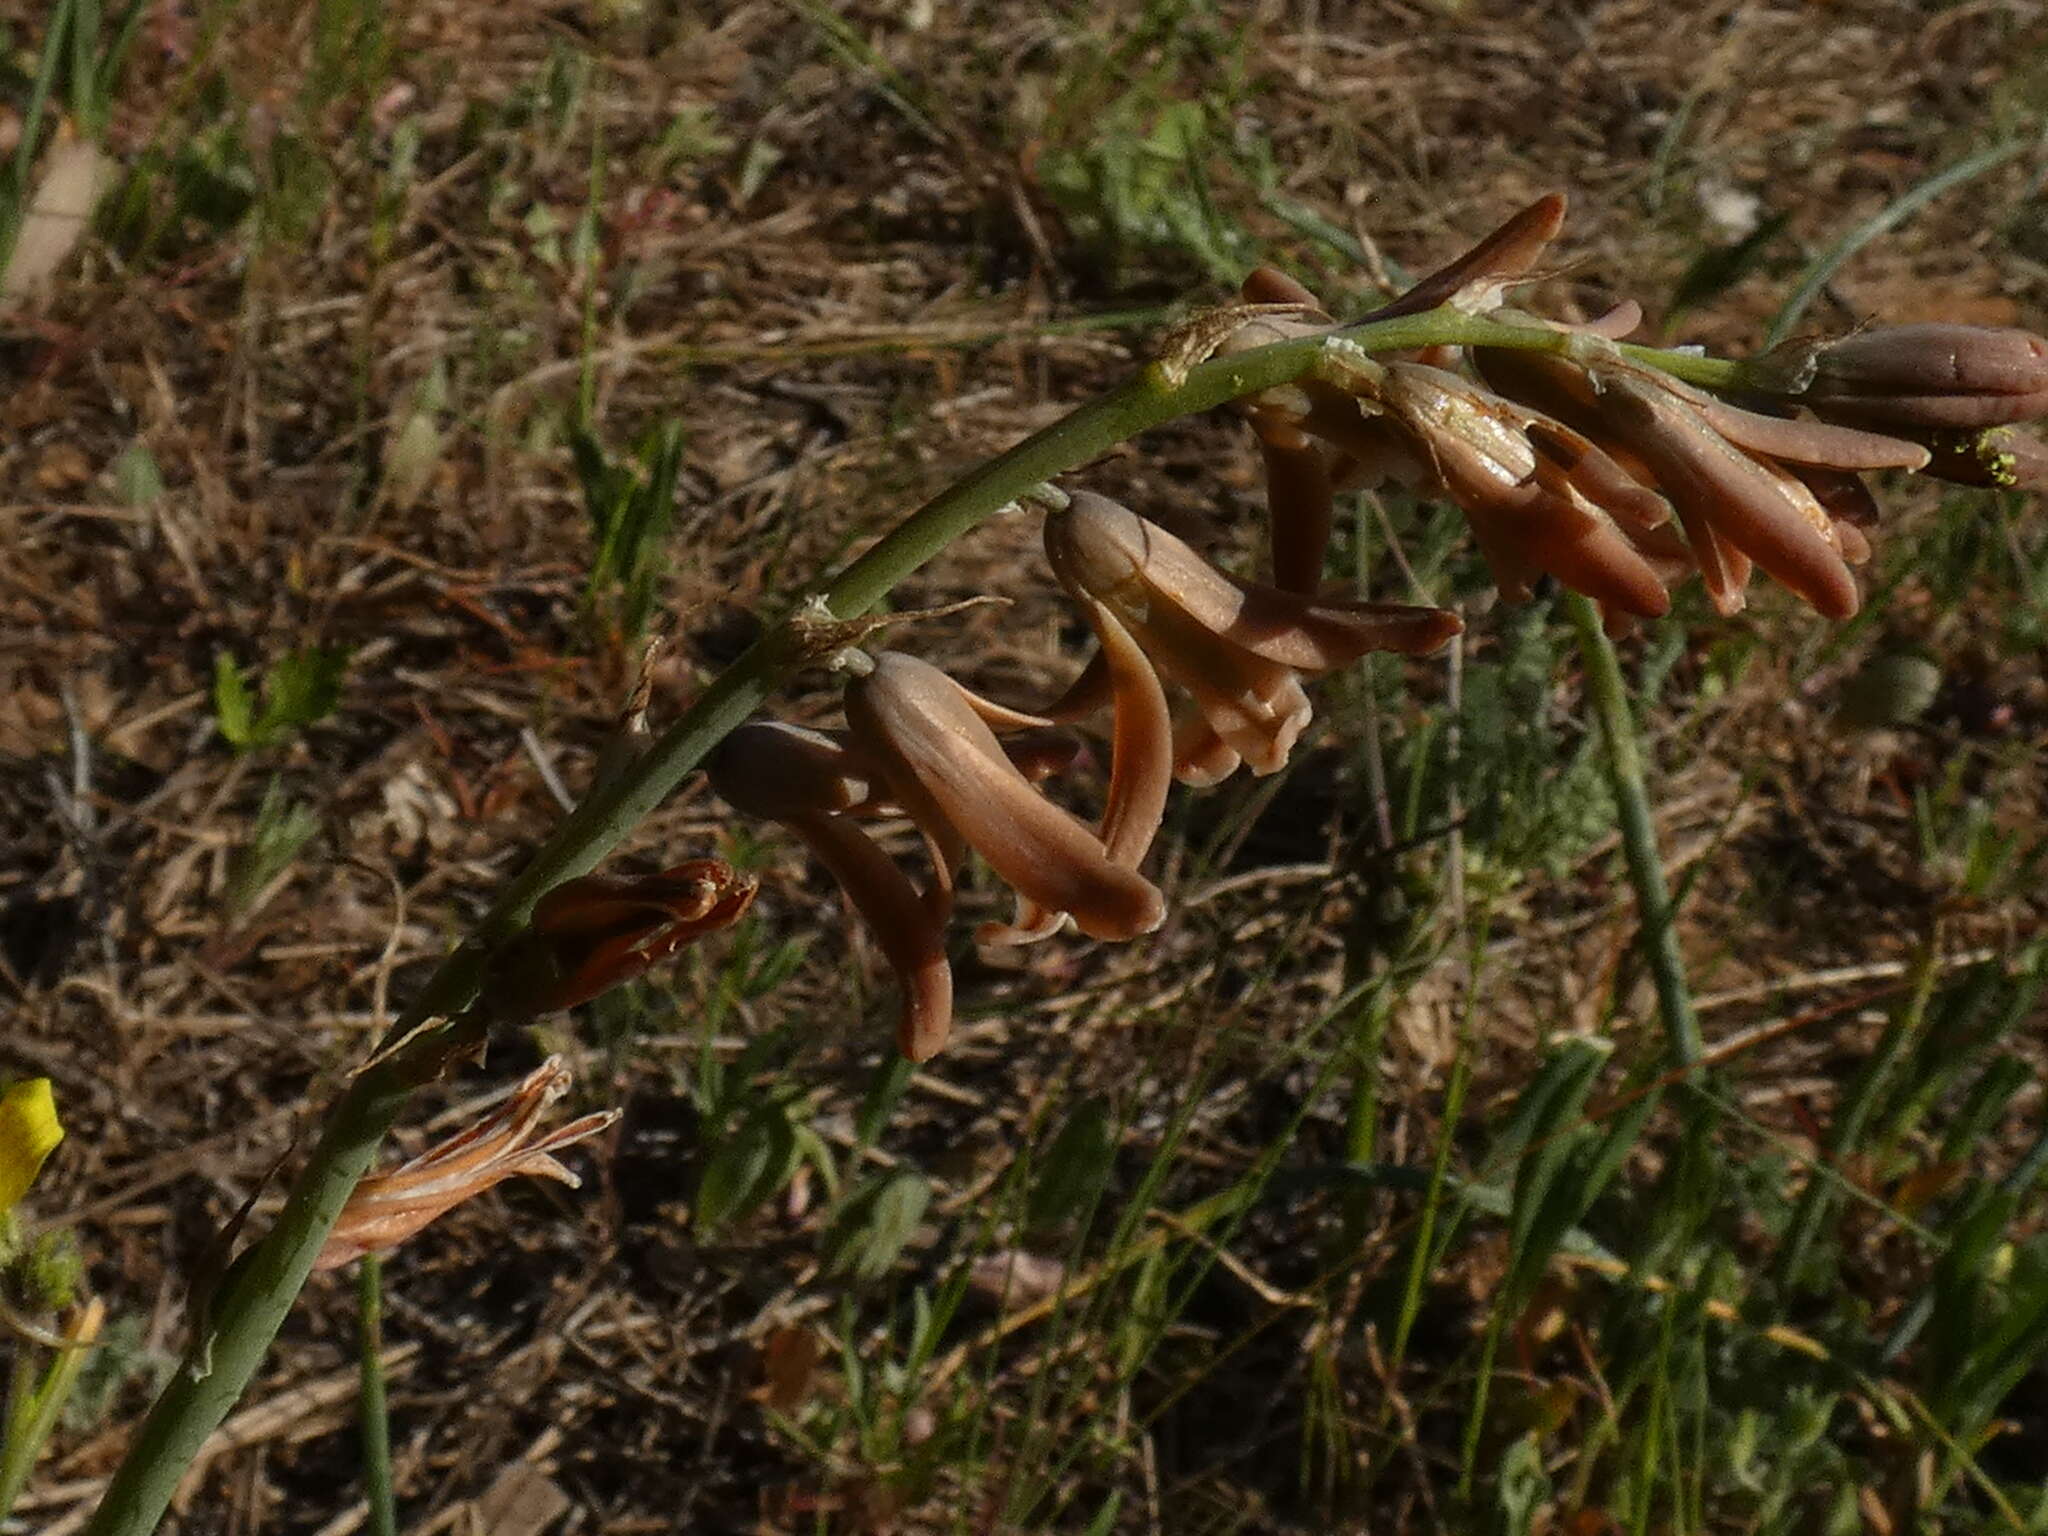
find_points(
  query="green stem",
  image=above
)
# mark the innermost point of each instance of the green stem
(1605, 688)
(376, 1419)
(255, 1296)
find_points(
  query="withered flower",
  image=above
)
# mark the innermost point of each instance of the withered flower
(593, 933)
(1239, 649)
(918, 742)
(387, 1208)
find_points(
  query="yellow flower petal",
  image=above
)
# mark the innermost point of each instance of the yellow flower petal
(29, 1132)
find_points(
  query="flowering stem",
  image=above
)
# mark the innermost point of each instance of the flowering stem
(1638, 836)
(253, 1299)
(375, 1416)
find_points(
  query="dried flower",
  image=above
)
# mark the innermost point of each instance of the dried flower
(388, 1208)
(594, 933)
(1933, 376)
(919, 742)
(1239, 649)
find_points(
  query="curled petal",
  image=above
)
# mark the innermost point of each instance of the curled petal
(907, 926)
(1200, 756)
(1141, 757)
(1256, 705)
(945, 766)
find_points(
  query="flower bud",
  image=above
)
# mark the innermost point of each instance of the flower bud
(591, 934)
(1933, 375)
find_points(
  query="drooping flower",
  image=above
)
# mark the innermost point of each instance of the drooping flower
(1302, 471)
(918, 742)
(1747, 487)
(1238, 649)
(932, 741)
(811, 783)
(1539, 496)
(387, 1208)
(597, 932)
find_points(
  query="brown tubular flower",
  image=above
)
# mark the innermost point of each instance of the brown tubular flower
(388, 1208)
(1934, 376)
(1301, 477)
(932, 741)
(810, 782)
(919, 742)
(1747, 487)
(591, 934)
(1540, 497)
(1239, 649)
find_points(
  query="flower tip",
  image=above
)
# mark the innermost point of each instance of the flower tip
(1095, 544)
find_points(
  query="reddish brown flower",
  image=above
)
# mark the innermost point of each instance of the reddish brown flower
(591, 934)
(918, 742)
(1239, 649)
